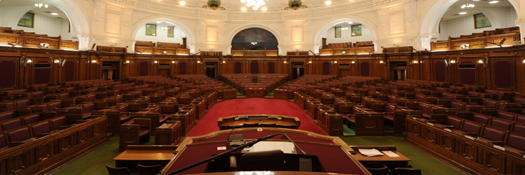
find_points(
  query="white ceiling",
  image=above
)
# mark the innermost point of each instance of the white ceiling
(41, 11)
(454, 10)
(272, 5)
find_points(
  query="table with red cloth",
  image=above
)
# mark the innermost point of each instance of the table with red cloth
(332, 152)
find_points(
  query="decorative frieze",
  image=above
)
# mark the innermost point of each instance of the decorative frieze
(308, 13)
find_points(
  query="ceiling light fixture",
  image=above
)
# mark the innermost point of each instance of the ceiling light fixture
(41, 5)
(462, 13)
(243, 9)
(55, 14)
(493, 2)
(255, 4)
(264, 9)
(467, 5)
(182, 2)
(328, 2)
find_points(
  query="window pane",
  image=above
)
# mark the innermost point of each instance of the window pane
(270, 39)
(250, 39)
(260, 38)
(237, 46)
(271, 46)
(238, 39)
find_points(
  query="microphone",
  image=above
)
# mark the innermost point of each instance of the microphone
(249, 144)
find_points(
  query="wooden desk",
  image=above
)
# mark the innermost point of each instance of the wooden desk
(168, 133)
(401, 161)
(130, 158)
(259, 121)
(332, 152)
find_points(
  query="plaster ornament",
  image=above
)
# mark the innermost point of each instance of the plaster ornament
(295, 4)
(214, 5)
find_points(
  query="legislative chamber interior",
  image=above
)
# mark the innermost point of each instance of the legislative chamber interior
(365, 87)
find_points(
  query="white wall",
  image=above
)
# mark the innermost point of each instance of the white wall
(162, 35)
(465, 25)
(49, 26)
(366, 34)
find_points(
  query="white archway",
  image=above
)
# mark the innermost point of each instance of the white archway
(189, 35)
(430, 23)
(320, 33)
(238, 29)
(79, 23)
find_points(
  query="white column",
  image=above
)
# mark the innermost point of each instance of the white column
(521, 22)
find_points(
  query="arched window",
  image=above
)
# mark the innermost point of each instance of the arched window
(254, 39)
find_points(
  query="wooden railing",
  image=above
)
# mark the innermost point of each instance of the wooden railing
(19, 38)
(43, 154)
(480, 40)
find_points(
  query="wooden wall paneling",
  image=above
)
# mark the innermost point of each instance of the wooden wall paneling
(42, 75)
(520, 73)
(439, 70)
(503, 73)
(9, 69)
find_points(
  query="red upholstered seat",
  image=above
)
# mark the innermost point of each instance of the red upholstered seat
(520, 119)
(506, 115)
(55, 105)
(11, 124)
(88, 109)
(19, 135)
(425, 108)
(117, 170)
(454, 121)
(23, 103)
(519, 100)
(3, 140)
(519, 128)
(59, 122)
(41, 128)
(481, 118)
(501, 124)
(494, 134)
(458, 105)
(32, 118)
(472, 127)
(143, 132)
(516, 141)
(7, 115)
(490, 103)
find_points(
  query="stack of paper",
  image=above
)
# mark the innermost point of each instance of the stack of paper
(286, 147)
(370, 152)
(390, 154)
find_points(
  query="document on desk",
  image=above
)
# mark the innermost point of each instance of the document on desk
(390, 154)
(370, 152)
(286, 147)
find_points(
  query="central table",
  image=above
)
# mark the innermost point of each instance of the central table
(241, 121)
(332, 152)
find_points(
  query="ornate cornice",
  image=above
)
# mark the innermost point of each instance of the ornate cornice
(278, 15)
(519, 21)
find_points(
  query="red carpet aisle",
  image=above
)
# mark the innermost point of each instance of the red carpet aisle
(252, 106)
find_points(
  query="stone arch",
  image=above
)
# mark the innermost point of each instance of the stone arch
(430, 22)
(272, 30)
(320, 33)
(77, 18)
(190, 36)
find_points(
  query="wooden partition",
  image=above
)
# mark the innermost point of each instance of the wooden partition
(500, 68)
(43, 154)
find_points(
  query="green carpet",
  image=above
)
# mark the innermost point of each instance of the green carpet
(427, 164)
(240, 95)
(95, 162)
